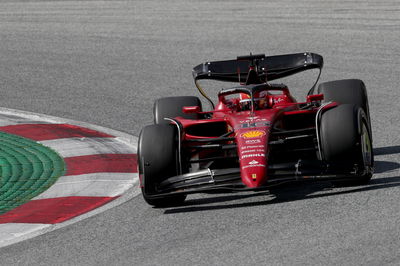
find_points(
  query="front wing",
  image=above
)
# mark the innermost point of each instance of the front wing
(215, 180)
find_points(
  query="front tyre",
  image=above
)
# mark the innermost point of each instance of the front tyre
(345, 140)
(171, 107)
(158, 160)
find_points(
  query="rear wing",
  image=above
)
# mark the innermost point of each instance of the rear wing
(267, 67)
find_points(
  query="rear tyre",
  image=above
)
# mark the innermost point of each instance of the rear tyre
(171, 107)
(157, 160)
(347, 91)
(346, 140)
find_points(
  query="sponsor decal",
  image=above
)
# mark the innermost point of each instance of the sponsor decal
(248, 151)
(254, 176)
(253, 134)
(253, 141)
(253, 162)
(253, 155)
(278, 100)
(252, 147)
(252, 119)
(253, 165)
(253, 125)
(254, 151)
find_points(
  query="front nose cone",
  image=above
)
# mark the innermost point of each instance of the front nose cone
(254, 178)
(252, 150)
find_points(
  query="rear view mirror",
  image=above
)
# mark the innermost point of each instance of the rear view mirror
(191, 109)
(315, 97)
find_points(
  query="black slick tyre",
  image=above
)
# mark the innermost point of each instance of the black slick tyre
(346, 91)
(157, 160)
(346, 140)
(170, 107)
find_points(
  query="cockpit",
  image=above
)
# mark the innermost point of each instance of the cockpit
(253, 97)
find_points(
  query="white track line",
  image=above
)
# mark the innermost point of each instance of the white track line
(71, 147)
(90, 185)
(15, 232)
(5, 122)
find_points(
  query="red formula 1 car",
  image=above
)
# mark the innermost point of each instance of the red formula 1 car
(257, 135)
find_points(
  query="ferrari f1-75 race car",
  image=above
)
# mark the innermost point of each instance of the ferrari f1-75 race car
(257, 135)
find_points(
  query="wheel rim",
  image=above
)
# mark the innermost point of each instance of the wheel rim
(366, 146)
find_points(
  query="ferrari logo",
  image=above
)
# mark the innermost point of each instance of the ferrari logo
(254, 176)
(253, 134)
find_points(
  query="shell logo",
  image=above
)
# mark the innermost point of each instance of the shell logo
(253, 134)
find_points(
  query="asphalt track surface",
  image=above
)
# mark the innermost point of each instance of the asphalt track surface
(105, 62)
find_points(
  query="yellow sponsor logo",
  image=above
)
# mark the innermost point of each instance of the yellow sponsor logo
(254, 176)
(253, 134)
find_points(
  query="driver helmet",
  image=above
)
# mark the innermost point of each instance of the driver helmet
(244, 102)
